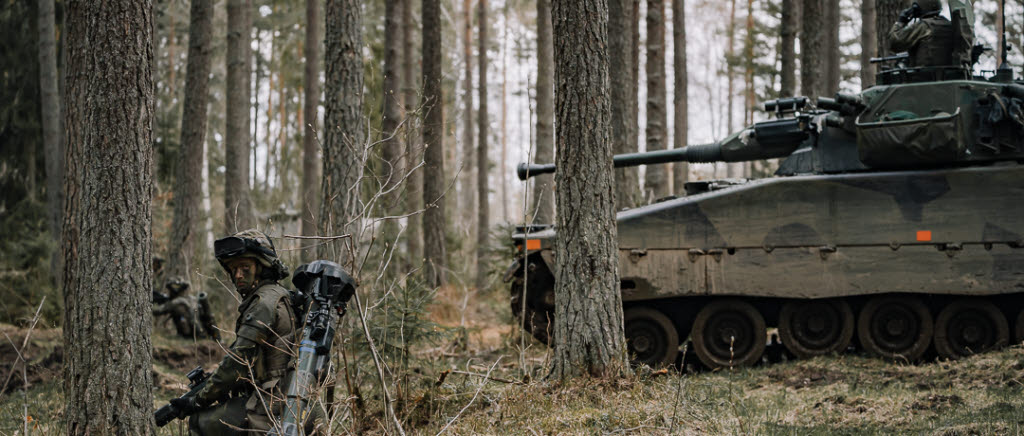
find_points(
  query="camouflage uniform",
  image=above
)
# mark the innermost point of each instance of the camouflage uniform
(182, 309)
(259, 357)
(929, 41)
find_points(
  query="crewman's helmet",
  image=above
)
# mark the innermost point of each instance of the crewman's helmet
(929, 6)
(176, 286)
(254, 244)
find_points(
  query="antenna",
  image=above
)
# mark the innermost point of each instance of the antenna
(1003, 51)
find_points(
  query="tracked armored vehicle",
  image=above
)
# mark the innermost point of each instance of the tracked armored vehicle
(895, 223)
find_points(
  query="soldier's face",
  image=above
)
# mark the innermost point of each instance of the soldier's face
(243, 273)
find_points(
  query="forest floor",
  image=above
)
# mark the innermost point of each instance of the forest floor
(488, 386)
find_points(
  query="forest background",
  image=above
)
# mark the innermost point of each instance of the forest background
(735, 58)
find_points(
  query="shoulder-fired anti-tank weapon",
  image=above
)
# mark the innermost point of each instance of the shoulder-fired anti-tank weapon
(328, 288)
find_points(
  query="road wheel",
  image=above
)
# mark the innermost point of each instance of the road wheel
(811, 328)
(536, 320)
(1018, 337)
(969, 326)
(651, 337)
(729, 333)
(895, 327)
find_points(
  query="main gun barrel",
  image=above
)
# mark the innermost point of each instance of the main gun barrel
(694, 153)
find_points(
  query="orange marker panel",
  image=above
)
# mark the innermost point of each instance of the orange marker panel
(532, 244)
(924, 235)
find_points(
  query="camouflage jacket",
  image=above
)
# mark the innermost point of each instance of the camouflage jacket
(929, 41)
(260, 354)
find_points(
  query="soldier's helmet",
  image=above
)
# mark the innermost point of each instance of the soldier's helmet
(927, 6)
(176, 286)
(254, 244)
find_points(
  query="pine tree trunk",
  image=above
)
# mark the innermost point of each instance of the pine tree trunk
(588, 304)
(413, 140)
(657, 183)
(108, 386)
(748, 69)
(680, 98)
(833, 74)
(237, 204)
(392, 92)
(811, 48)
(543, 186)
(344, 133)
(433, 141)
(467, 182)
(886, 13)
(483, 162)
(188, 189)
(868, 43)
(53, 149)
(392, 171)
(787, 47)
(310, 103)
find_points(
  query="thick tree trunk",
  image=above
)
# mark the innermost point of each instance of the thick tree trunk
(811, 48)
(787, 47)
(344, 131)
(680, 98)
(886, 13)
(392, 170)
(392, 93)
(107, 239)
(237, 204)
(868, 43)
(482, 187)
(310, 103)
(433, 139)
(543, 186)
(188, 189)
(656, 181)
(588, 305)
(413, 140)
(53, 149)
(833, 74)
(467, 179)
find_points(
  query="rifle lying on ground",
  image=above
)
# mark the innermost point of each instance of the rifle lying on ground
(327, 288)
(196, 380)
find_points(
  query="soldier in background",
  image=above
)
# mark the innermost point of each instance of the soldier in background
(929, 41)
(190, 314)
(244, 391)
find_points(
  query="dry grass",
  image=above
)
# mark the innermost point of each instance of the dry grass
(837, 395)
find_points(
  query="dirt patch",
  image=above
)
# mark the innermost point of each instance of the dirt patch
(799, 377)
(936, 402)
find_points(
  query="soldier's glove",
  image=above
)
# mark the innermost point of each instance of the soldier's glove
(187, 406)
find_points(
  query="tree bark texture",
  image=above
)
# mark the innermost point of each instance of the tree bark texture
(433, 140)
(656, 181)
(107, 237)
(392, 92)
(680, 99)
(237, 203)
(833, 74)
(787, 47)
(310, 104)
(467, 181)
(543, 186)
(588, 305)
(188, 189)
(344, 126)
(53, 149)
(627, 180)
(886, 13)
(482, 162)
(868, 43)
(413, 141)
(811, 48)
